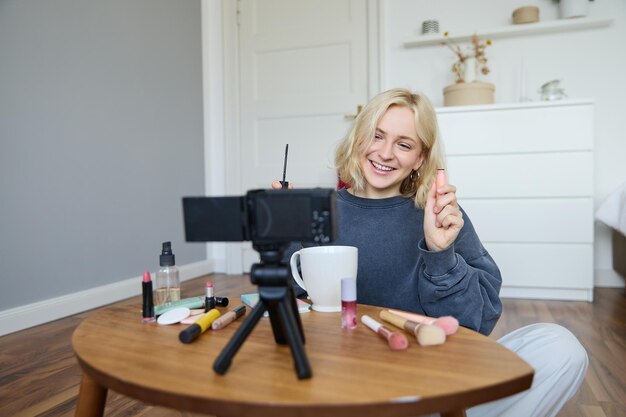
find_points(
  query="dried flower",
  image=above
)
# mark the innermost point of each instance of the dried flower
(477, 50)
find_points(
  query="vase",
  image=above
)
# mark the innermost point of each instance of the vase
(573, 8)
(525, 14)
(463, 94)
(469, 70)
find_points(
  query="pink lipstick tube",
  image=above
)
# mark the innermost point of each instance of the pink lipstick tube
(441, 178)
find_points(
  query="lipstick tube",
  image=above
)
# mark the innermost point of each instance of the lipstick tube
(441, 178)
(147, 310)
(209, 297)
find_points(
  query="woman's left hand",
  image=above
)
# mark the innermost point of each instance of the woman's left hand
(443, 218)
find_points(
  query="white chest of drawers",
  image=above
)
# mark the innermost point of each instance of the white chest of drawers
(524, 175)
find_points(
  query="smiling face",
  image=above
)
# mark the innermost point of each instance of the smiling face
(395, 151)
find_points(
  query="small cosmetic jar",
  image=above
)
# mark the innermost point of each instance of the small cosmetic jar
(430, 26)
(526, 14)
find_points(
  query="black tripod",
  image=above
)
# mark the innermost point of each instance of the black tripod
(276, 295)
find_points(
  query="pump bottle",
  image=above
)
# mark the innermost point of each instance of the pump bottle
(167, 281)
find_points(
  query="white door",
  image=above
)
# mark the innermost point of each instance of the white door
(303, 66)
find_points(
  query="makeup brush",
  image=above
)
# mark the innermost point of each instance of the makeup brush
(447, 323)
(396, 341)
(284, 182)
(426, 334)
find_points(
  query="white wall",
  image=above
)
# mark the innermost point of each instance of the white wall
(591, 64)
(101, 134)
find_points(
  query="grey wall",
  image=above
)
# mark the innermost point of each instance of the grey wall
(100, 136)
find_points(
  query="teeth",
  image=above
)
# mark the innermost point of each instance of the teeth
(381, 167)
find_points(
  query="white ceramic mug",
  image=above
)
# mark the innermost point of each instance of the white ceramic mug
(323, 267)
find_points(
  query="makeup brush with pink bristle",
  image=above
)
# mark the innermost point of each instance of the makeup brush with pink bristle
(447, 323)
(426, 334)
(395, 340)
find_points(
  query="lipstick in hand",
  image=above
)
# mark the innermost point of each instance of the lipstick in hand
(441, 178)
(148, 300)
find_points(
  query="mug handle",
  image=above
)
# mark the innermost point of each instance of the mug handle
(293, 262)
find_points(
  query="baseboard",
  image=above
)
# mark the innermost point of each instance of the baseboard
(566, 294)
(23, 317)
(608, 278)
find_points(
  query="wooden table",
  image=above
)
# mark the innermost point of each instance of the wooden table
(354, 371)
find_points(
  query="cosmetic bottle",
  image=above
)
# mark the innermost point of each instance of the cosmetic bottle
(348, 303)
(167, 281)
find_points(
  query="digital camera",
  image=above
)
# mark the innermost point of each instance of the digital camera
(263, 217)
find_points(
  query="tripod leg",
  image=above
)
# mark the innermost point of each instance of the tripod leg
(294, 307)
(223, 361)
(294, 338)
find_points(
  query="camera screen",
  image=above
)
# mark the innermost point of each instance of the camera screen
(214, 219)
(283, 217)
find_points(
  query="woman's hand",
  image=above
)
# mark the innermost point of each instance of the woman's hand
(443, 218)
(277, 185)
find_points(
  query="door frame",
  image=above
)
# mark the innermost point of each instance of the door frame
(222, 141)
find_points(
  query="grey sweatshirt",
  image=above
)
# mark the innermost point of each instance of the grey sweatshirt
(397, 271)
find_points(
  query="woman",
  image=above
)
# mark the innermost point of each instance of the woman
(418, 250)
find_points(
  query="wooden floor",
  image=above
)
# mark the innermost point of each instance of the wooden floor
(39, 375)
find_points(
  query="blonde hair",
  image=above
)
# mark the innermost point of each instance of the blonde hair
(361, 134)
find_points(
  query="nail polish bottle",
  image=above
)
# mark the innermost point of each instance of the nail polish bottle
(348, 303)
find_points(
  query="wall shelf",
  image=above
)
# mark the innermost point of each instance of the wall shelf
(539, 28)
(539, 104)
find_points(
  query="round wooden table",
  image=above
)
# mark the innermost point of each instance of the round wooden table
(354, 371)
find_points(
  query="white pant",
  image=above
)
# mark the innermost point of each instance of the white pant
(560, 363)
